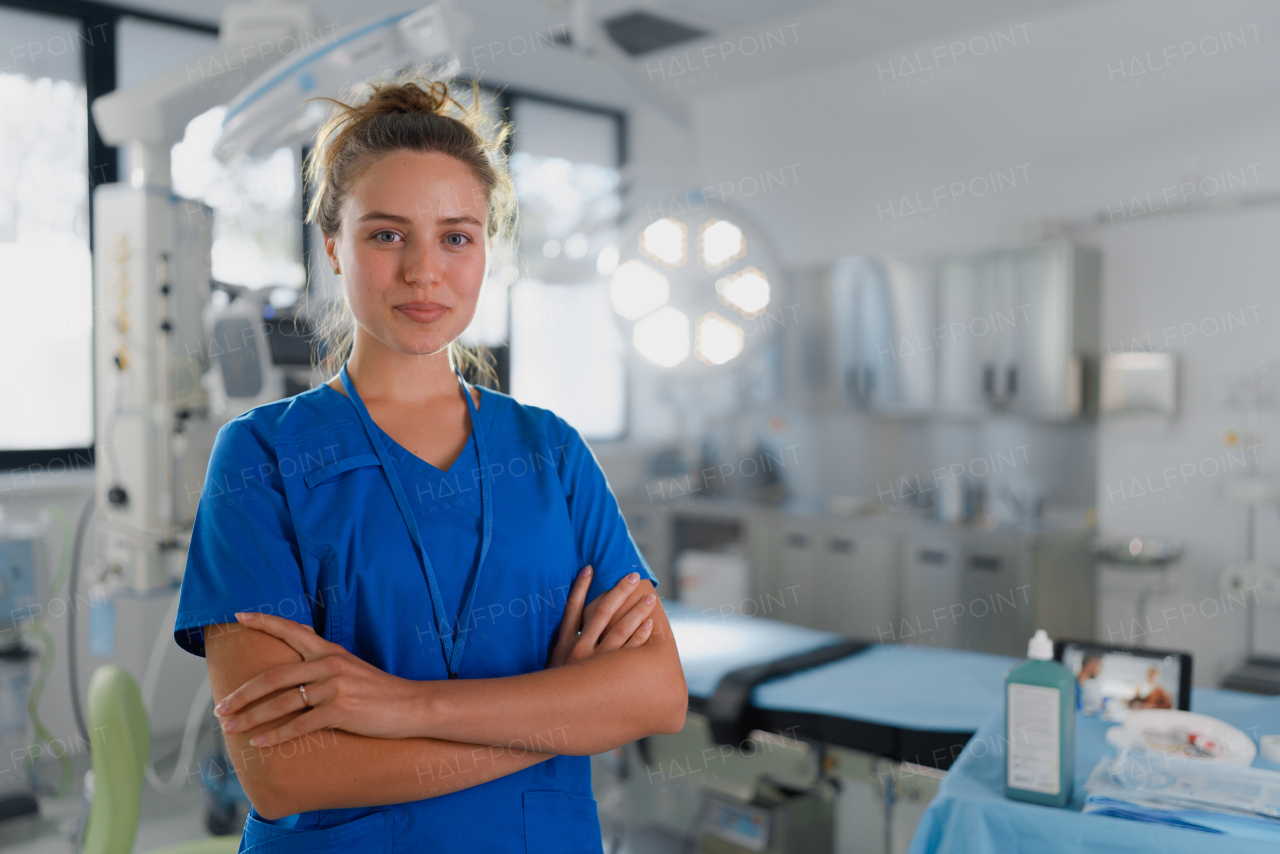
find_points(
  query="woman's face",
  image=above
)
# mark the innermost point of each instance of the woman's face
(411, 249)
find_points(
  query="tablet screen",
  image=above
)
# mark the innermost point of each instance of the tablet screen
(1113, 682)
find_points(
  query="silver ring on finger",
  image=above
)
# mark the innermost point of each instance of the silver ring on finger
(305, 702)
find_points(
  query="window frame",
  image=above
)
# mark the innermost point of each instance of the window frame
(98, 62)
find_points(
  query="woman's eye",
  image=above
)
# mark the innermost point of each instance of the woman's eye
(378, 236)
(458, 234)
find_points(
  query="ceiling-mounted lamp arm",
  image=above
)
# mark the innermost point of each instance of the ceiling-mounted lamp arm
(589, 38)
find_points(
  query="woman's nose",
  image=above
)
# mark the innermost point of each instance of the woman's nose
(423, 265)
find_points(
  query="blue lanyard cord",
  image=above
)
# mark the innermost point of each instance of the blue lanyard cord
(452, 648)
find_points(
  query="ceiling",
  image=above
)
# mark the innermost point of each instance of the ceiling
(818, 33)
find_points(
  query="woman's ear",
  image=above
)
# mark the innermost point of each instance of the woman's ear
(331, 250)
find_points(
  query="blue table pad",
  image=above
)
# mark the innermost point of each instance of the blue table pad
(912, 687)
(971, 815)
(712, 644)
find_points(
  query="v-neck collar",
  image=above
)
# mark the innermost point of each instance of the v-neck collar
(415, 464)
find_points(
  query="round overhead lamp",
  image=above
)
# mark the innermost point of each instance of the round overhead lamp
(727, 284)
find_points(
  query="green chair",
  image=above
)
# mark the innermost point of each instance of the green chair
(120, 739)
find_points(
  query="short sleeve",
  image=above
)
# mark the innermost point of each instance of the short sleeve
(244, 554)
(601, 532)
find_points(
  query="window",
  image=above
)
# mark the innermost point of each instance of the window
(257, 225)
(566, 352)
(46, 298)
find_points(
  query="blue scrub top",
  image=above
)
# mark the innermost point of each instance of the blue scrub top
(296, 518)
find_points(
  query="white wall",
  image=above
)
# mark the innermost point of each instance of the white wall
(1062, 108)
(1173, 284)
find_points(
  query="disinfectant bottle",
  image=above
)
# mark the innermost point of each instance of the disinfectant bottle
(1040, 725)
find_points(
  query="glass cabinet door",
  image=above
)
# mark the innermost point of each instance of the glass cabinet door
(1042, 352)
(883, 314)
(962, 341)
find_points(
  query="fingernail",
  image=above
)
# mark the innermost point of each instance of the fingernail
(649, 600)
(228, 726)
(221, 708)
(633, 577)
(586, 573)
(242, 615)
(648, 624)
(257, 740)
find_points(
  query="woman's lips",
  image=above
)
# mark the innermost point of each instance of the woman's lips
(422, 312)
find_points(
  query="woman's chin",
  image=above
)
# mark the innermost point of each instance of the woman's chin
(423, 346)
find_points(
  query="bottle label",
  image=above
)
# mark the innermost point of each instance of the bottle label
(1034, 738)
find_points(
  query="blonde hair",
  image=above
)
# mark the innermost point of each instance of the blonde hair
(409, 114)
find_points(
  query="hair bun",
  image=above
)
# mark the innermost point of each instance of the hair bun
(407, 97)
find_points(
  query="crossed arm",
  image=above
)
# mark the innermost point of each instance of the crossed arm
(372, 739)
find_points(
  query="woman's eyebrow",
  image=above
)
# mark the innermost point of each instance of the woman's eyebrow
(459, 220)
(380, 215)
(465, 219)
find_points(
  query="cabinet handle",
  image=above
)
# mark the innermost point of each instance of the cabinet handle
(858, 383)
(798, 541)
(931, 556)
(841, 544)
(851, 383)
(1011, 380)
(989, 381)
(985, 562)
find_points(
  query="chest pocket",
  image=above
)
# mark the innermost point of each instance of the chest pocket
(334, 469)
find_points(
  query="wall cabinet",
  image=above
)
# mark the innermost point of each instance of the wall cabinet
(1011, 331)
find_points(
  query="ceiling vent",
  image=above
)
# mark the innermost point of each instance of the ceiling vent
(639, 33)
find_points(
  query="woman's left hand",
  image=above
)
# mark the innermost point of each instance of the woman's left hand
(342, 691)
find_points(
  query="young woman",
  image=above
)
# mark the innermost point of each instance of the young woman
(380, 566)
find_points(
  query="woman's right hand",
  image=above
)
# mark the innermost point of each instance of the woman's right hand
(630, 630)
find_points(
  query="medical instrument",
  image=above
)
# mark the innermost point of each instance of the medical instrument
(155, 418)
(26, 595)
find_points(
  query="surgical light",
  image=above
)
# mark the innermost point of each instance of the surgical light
(746, 292)
(667, 242)
(607, 260)
(637, 289)
(576, 245)
(717, 339)
(663, 337)
(720, 243)
(685, 307)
